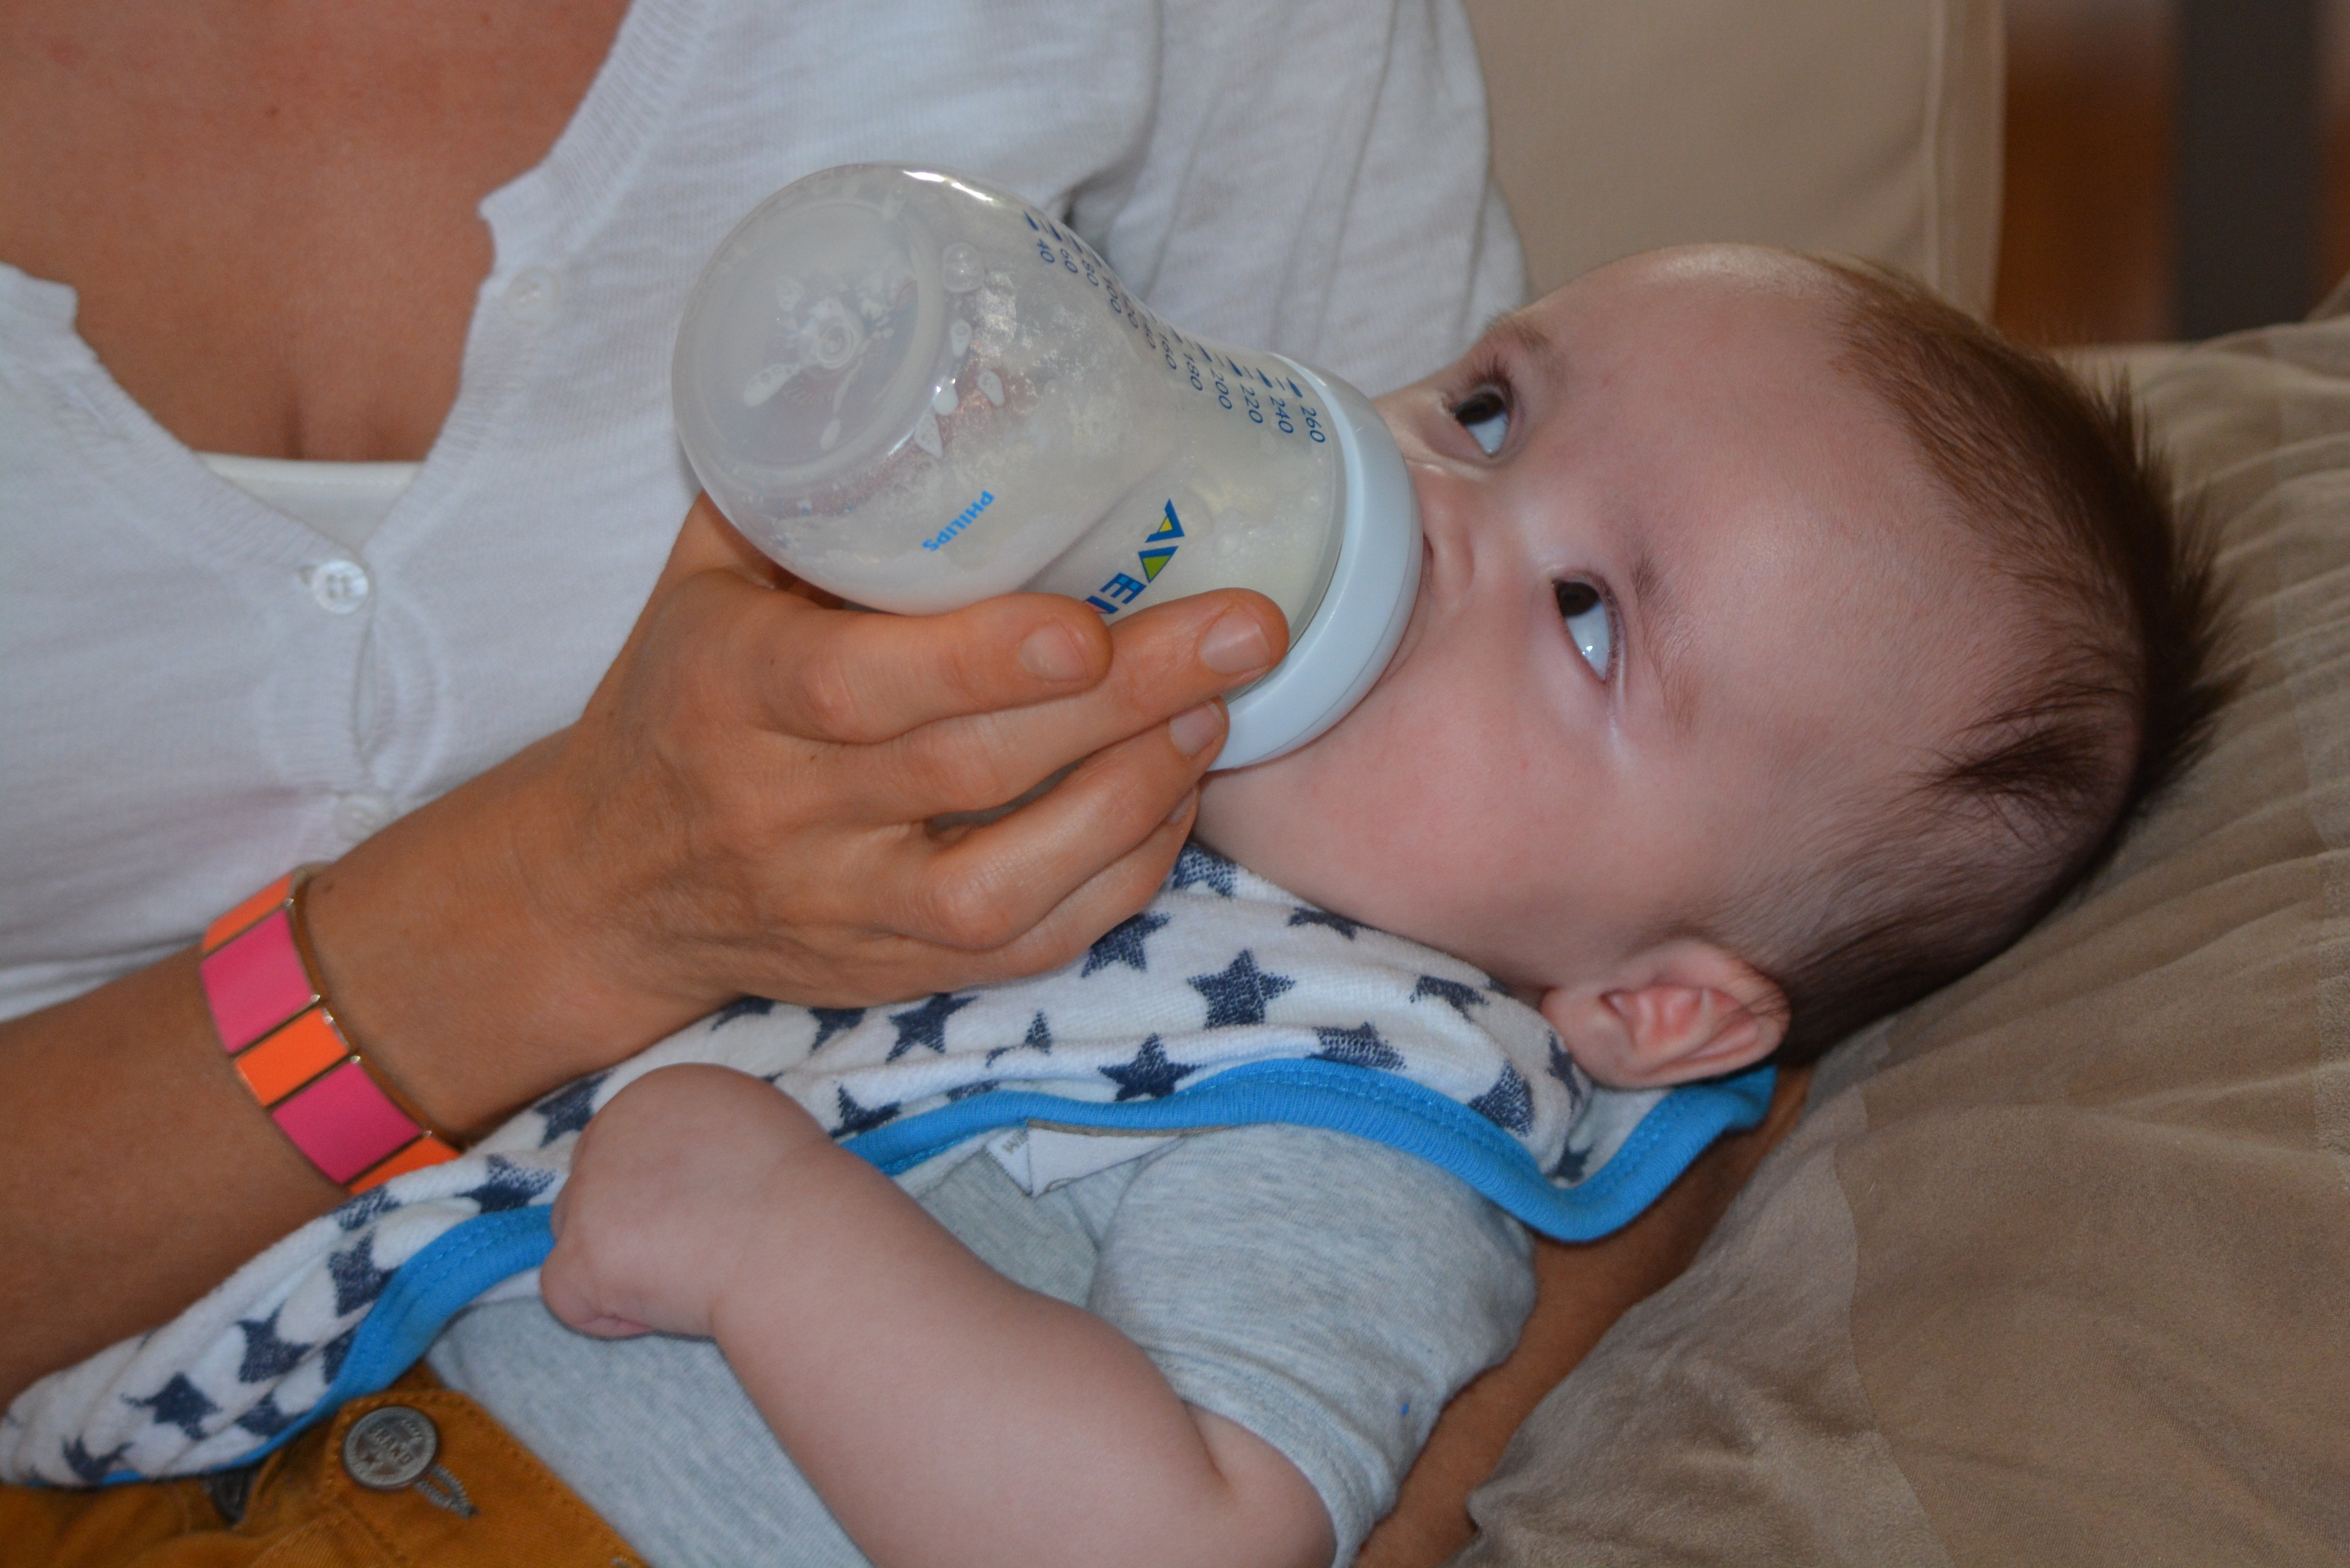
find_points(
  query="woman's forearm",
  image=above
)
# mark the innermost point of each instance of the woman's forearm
(137, 1169)
(447, 949)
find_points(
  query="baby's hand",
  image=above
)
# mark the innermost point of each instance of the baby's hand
(668, 1188)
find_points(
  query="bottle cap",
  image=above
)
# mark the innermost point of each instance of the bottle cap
(1352, 632)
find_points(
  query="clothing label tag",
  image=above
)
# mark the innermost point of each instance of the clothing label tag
(1041, 1158)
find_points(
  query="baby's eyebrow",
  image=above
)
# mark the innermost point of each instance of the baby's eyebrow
(1530, 338)
(1664, 632)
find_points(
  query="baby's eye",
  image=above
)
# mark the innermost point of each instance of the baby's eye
(1585, 610)
(1485, 415)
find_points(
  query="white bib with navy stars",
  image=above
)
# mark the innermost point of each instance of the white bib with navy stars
(1225, 1002)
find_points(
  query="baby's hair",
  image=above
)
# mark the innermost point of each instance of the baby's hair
(2059, 484)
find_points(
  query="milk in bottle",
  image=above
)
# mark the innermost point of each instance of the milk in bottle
(918, 391)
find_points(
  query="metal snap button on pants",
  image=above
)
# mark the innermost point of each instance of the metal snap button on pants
(391, 1448)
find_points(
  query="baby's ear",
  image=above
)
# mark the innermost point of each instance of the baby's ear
(1681, 1010)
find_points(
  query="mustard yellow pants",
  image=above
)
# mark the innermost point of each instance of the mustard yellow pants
(305, 1506)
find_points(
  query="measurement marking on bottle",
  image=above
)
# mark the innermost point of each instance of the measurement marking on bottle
(1071, 253)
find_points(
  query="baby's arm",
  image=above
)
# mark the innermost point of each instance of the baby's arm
(945, 1414)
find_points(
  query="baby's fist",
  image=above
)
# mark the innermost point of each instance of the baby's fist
(668, 1186)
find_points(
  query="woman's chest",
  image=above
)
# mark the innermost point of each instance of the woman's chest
(270, 212)
(278, 219)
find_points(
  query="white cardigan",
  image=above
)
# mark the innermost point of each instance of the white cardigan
(197, 692)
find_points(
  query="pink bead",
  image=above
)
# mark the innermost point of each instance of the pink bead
(255, 982)
(344, 1123)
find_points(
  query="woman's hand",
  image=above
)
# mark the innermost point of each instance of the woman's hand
(747, 806)
(752, 783)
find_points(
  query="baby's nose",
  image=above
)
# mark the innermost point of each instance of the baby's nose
(1448, 513)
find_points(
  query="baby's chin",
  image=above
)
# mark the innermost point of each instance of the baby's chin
(1250, 815)
(1241, 815)
(1277, 819)
(1246, 816)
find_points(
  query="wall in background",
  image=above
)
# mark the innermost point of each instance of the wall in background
(2092, 249)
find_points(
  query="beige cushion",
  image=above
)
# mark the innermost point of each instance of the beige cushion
(2058, 1268)
(1869, 127)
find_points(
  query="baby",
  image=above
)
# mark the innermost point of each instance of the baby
(1786, 645)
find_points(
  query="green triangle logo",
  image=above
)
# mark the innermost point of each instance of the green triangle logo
(1170, 529)
(1155, 561)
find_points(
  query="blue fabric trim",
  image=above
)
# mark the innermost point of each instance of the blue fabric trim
(422, 1296)
(461, 1263)
(1391, 1110)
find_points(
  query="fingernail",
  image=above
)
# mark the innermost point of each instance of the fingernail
(1196, 728)
(1235, 645)
(1051, 653)
(1183, 806)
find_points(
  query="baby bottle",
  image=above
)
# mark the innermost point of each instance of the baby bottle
(917, 391)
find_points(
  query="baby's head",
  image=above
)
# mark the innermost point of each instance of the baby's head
(1787, 643)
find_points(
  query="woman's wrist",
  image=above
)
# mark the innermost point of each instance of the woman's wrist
(279, 1027)
(449, 944)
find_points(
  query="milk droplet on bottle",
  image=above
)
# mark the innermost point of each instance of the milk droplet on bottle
(918, 391)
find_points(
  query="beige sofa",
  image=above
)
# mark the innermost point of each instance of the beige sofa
(2056, 1267)
(1871, 127)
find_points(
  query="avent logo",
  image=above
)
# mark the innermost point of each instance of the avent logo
(1159, 547)
(962, 520)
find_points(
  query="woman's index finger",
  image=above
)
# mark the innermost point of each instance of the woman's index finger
(860, 678)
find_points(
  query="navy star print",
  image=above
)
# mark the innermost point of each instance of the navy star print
(330, 1359)
(742, 1007)
(266, 1419)
(265, 1355)
(927, 1024)
(1572, 1163)
(1307, 915)
(1040, 1038)
(1150, 1074)
(832, 1020)
(1238, 995)
(356, 1279)
(856, 1119)
(1451, 993)
(1562, 1066)
(508, 1186)
(1508, 1104)
(567, 1110)
(1122, 943)
(1358, 1047)
(180, 1404)
(91, 1469)
(370, 1205)
(1200, 867)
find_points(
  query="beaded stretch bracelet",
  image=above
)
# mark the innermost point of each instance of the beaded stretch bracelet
(261, 983)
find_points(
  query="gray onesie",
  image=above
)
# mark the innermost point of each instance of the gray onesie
(1327, 1293)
